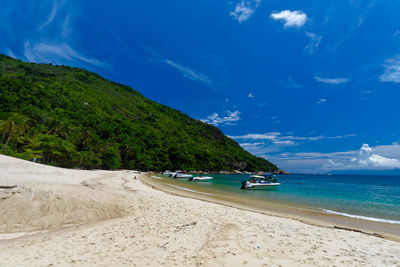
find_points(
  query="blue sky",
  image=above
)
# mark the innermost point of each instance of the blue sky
(313, 86)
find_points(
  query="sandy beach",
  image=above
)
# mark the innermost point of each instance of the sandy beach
(54, 216)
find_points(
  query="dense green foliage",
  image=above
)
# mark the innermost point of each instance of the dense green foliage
(74, 118)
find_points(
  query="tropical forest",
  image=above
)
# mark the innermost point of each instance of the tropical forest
(70, 117)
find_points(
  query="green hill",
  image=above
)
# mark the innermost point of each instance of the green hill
(71, 117)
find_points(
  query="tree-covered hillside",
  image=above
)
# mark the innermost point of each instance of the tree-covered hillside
(74, 118)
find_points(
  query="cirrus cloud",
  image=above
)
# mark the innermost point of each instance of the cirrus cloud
(52, 15)
(188, 73)
(277, 136)
(216, 120)
(314, 42)
(244, 10)
(58, 53)
(331, 80)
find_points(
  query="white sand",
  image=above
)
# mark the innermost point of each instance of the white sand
(115, 220)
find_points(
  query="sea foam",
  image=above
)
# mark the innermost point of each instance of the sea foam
(361, 217)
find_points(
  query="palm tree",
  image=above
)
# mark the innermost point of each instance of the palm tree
(15, 123)
(7, 126)
(3, 127)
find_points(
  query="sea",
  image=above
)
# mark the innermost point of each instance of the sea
(367, 197)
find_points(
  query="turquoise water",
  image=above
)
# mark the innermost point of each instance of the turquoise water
(375, 198)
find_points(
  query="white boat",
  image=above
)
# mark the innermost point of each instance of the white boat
(171, 174)
(260, 181)
(179, 174)
(201, 178)
(168, 173)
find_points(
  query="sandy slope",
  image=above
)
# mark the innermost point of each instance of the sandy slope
(48, 197)
(160, 229)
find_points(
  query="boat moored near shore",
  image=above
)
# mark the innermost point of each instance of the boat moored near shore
(167, 173)
(201, 178)
(180, 174)
(260, 182)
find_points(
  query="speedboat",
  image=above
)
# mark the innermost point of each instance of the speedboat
(168, 173)
(179, 174)
(171, 174)
(260, 182)
(201, 178)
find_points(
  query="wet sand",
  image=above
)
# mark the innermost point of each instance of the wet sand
(384, 230)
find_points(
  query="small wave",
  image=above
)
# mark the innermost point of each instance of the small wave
(361, 217)
(186, 189)
(155, 177)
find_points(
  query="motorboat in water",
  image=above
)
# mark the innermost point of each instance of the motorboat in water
(173, 174)
(180, 174)
(201, 178)
(260, 181)
(167, 173)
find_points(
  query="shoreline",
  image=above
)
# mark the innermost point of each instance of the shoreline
(66, 217)
(333, 221)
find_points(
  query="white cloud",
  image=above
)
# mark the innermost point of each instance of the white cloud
(251, 95)
(320, 155)
(56, 53)
(314, 42)
(277, 136)
(331, 80)
(253, 147)
(215, 119)
(322, 100)
(244, 10)
(322, 137)
(189, 73)
(392, 151)
(367, 158)
(392, 70)
(266, 136)
(52, 15)
(335, 164)
(186, 71)
(273, 142)
(251, 144)
(294, 19)
(260, 148)
(285, 143)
